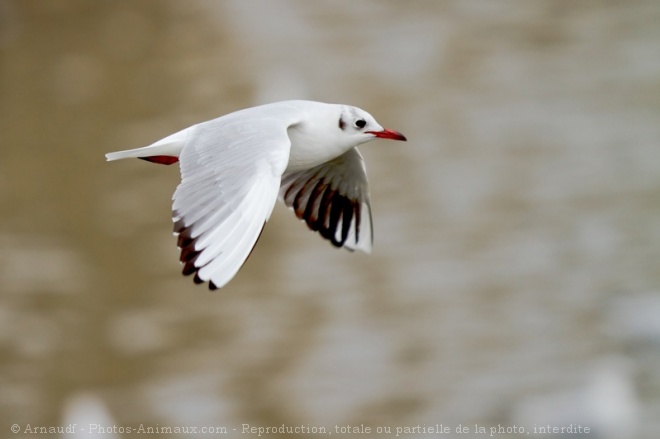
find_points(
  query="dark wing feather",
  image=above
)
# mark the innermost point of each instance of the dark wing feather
(333, 199)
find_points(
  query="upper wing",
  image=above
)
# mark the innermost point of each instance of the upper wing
(333, 199)
(231, 170)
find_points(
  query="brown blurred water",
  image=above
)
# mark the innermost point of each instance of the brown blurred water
(514, 278)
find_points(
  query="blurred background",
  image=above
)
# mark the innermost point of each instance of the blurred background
(515, 277)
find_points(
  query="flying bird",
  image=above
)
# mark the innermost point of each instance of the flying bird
(235, 167)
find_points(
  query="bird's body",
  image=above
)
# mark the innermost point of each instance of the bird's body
(234, 167)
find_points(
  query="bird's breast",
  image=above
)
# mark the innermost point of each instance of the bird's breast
(309, 151)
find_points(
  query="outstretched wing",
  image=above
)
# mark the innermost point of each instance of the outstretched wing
(231, 170)
(333, 199)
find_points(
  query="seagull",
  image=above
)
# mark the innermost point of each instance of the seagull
(235, 167)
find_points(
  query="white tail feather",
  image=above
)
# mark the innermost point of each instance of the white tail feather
(170, 146)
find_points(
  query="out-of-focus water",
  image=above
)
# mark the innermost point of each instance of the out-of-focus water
(514, 279)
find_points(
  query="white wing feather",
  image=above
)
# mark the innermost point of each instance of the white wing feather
(231, 170)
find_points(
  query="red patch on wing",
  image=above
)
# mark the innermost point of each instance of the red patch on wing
(161, 159)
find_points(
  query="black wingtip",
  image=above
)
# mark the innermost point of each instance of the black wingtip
(198, 280)
(189, 268)
(189, 255)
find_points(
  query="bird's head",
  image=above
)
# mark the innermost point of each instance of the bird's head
(362, 127)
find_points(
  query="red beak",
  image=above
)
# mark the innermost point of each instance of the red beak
(388, 134)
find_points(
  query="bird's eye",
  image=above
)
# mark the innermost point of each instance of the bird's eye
(360, 123)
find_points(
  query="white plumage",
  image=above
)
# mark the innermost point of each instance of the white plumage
(234, 167)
